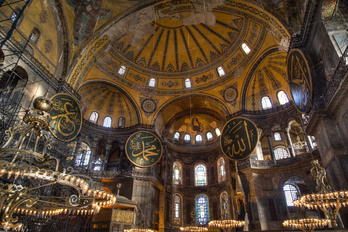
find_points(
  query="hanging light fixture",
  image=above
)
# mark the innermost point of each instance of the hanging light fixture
(226, 225)
(306, 224)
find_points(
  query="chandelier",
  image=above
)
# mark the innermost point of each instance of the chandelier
(226, 224)
(193, 228)
(306, 224)
(30, 176)
(326, 200)
(139, 230)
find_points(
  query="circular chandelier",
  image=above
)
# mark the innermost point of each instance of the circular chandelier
(139, 230)
(194, 228)
(226, 224)
(306, 224)
(30, 176)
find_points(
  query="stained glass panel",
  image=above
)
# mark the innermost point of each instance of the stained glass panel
(202, 210)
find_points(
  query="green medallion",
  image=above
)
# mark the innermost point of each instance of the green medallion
(239, 138)
(300, 80)
(66, 117)
(143, 149)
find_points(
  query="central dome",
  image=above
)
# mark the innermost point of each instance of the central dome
(185, 42)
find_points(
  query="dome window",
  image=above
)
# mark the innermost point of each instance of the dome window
(35, 35)
(107, 122)
(209, 136)
(152, 82)
(282, 97)
(94, 117)
(121, 122)
(122, 70)
(176, 136)
(266, 103)
(217, 132)
(246, 48)
(188, 83)
(221, 71)
(277, 136)
(199, 139)
(187, 138)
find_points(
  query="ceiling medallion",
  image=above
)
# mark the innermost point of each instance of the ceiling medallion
(230, 94)
(148, 105)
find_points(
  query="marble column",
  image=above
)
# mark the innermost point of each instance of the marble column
(161, 225)
(93, 146)
(288, 140)
(107, 154)
(270, 145)
(258, 150)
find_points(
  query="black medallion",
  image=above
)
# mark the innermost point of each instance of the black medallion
(143, 149)
(239, 138)
(300, 80)
(66, 117)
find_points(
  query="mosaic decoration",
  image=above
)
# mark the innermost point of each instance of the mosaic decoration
(66, 117)
(239, 138)
(149, 105)
(235, 60)
(43, 16)
(202, 210)
(187, 160)
(196, 125)
(230, 94)
(143, 149)
(100, 104)
(274, 82)
(262, 85)
(300, 80)
(170, 84)
(48, 46)
(204, 78)
(111, 106)
(137, 77)
(328, 9)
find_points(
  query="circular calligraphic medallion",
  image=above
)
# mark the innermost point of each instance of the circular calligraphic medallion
(66, 117)
(148, 105)
(143, 149)
(230, 94)
(239, 138)
(300, 80)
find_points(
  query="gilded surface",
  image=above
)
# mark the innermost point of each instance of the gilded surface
(143, 149)
(66, 118)
(300, 80)
(122, 216)
(239, 138)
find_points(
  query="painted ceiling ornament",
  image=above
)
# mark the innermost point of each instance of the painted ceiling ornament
(148, 105)
(300, 80)
(144, 149)
(48, 46)
(230, 94)
(239, 138)
(66, 117)
(197, 126)
(43, 16)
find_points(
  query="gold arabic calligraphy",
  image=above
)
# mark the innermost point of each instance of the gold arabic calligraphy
(147, 148)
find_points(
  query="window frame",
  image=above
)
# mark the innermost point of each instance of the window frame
(177, 220)
(201, 181)
(107, 117)
(217, 129)
(123, 120)
(154, 82)
(223, 70)
(264, 108)
(280, 91)
(277, 139)
(187, 140)
(121, 67)
(284, 149)
(221, 172)
(188, 80)
(177, 180)
(97, 117)
(211, 138)
(205, 220)
(176, 138)
(199, 136)
(245, 52)
(295, 191)
(34, 41)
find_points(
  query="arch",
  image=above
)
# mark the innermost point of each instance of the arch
(202, 209)
(35, 35)
(177, 209)
(83, 155)
(209, 136)
(152, 82)
(221, 169)
(282, 97)
(187, 138)
(177, 136)
(177, 173)
(224, 203)
(199, 138)
(281, 153)
(107, 122)
(266, 103)
(94, 117)
(200, 175)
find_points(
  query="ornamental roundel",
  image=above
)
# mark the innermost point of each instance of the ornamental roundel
(230, 94)
(148, 106)
(239, 138)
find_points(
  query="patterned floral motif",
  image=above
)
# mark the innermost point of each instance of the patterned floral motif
(43, 16)
(137, 77)
(170, 84)
(274, 82)
(48, 46)
(155, 66)
(262, 84)
(204, 78)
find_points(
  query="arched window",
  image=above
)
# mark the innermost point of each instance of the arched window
(34, 35)
(121, 122)
(282, 97)
(221, 169)
(202, 210)
(107, 122)
(122, 70)
(177, 209)
(187, 138)
(188, 83)
(177, 136)
(152, 82)
(277, 136)
(224, 205)
(217, 132)
(209, 136)
(290, 192)
(15, 14)
(98, 165)
(83, 155)
(221, 71)
(281, 153)
(201, 175)
(94, 117)
(246, 48)
(199, 138)
(266, 103)
(176, 173)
